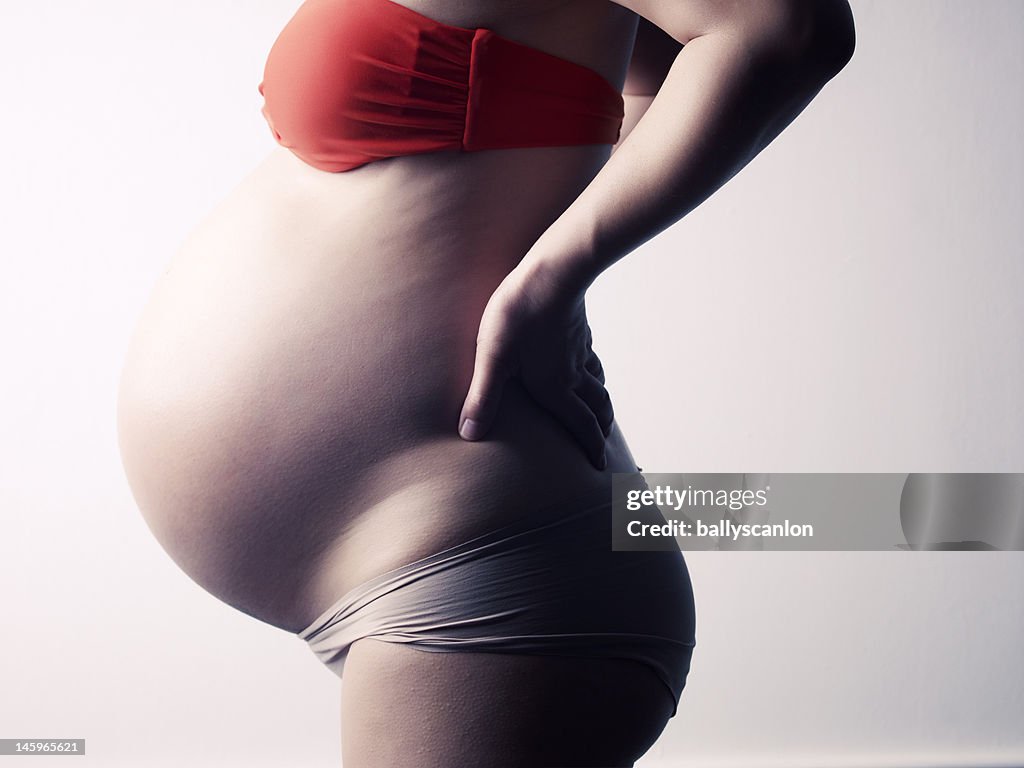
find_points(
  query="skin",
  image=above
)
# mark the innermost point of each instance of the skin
(289, 404)
(744, 72)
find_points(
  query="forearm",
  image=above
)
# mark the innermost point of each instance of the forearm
(726, 96)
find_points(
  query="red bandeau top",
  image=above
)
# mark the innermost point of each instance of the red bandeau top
(348, 82)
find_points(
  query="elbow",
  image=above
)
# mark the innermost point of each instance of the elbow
(833, 37)
(817, 37)
(824, 37)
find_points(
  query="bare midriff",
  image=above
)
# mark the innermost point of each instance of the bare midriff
(289, 405)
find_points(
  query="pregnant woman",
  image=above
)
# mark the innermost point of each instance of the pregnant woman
(362, 403)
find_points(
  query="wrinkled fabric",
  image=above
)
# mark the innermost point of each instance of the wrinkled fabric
(348, 82)
(551, 588)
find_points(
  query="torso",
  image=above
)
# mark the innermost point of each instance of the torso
(289, 404)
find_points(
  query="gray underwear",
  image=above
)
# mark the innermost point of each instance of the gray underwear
(543, 587)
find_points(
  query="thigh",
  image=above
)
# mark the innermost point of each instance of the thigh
(405, 707)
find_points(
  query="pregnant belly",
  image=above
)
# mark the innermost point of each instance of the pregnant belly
(288, 406)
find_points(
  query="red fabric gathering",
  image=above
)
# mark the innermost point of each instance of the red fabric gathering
(348, 82)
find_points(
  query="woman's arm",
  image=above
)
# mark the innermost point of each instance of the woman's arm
(653, 53)
(746, 69)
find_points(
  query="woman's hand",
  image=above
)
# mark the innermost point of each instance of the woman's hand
(534, 328)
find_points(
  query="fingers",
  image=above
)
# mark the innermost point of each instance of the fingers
(481, 405)
(592, 392)
(593, 366)
(576, 416)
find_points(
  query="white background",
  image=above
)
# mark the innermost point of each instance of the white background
(852, 301)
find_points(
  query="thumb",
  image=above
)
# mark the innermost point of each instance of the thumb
(481, 405)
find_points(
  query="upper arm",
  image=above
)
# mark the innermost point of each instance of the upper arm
(653, 54)
(822, 26)
(684, 20)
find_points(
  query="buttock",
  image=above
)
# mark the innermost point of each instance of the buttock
(546, 585)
